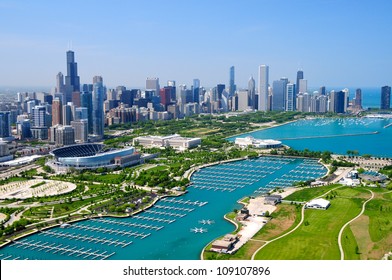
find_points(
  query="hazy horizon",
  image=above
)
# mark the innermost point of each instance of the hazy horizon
(333, 42)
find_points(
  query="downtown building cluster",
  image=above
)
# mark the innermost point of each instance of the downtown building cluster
(78, 113)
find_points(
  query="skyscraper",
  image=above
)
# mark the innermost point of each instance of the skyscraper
(303, 86)
(242, 100)
(196, 90)
(252, 93)
(219, 91)
(165, 96)
(97, 112)
(86, 100)
(346, 98)
(57, 111)
(300, 76)
(72, 80)
(65, 135)
(358, 98)
(279, 95)
(153, 84)
(23, 129)
(337, 101)
(67, 114)
(322, 90)
(5, 124)
(290, 97)
(232, 82)
(60, 87)
(385, 98)
(76, 98)
(81, 130)
(39, 116)
(263, 87)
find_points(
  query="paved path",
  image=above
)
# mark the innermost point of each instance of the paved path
(294, 229)
(342, 229)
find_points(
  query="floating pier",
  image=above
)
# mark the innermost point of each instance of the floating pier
(97, 240)
(63, 250)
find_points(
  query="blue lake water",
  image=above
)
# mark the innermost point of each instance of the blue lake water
(165, 230)
(336, 130)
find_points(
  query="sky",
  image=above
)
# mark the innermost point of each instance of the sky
(335, 42)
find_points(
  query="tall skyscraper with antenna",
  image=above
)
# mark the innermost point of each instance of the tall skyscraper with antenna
(72, 80)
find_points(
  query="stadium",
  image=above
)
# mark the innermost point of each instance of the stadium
(91, 156)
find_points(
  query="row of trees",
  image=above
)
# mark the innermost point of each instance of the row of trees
(324, 155)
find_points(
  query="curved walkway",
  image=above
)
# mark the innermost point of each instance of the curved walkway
(294, 229)
(343, 227)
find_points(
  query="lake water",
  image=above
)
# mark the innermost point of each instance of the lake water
(165, 230)
(340, 135)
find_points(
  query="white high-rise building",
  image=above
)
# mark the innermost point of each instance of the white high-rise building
(243, 98)
(303, 86)
(346, 98)
(290, 95)
(263, 87)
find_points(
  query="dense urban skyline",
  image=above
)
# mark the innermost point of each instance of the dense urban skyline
(127, 41)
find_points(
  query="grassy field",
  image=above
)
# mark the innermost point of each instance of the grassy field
(350, 246)
(283, 219)
(316, 238)
(368, 237)
(309, 193)
(379, 239)
(372, 232)
(202, 131)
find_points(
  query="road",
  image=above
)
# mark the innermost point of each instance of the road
(343, 227)
(18, 170)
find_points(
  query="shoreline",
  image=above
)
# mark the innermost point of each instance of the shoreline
(264, 128)
(97, 216)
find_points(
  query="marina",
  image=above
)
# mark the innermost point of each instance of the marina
(175, 227)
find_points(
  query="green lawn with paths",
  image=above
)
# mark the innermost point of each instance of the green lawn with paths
(316, 238)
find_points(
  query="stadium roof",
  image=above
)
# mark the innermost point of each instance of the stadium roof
(80, 150)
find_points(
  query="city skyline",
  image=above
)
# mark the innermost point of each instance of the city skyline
(332, 41)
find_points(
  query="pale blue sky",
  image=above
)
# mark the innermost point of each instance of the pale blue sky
(335, 42)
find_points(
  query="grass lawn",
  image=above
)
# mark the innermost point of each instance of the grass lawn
(284, 218)
(202, 131)
(379, 241)
(387, 196)
(59, 209)
(350, 246)
(316, 238)
(372, 232)
(309, 193)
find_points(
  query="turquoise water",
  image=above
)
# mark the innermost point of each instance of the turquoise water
(165, 230)
(375, 144)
